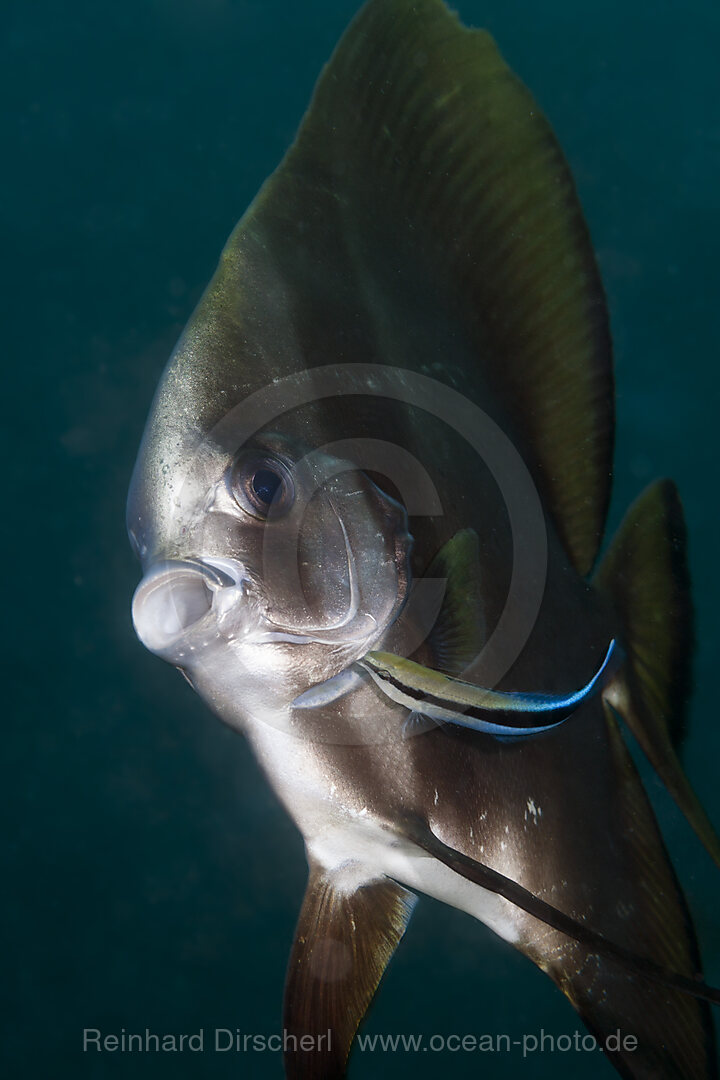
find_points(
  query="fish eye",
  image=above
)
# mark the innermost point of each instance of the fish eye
(261, 484)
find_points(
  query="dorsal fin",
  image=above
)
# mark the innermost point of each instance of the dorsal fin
(420, 140)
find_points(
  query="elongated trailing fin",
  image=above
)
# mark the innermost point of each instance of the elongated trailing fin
(343, 943)
(510, 890)
(423, 155)
(645, 575)
(610, 884)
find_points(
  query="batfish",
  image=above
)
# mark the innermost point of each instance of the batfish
(369, 504)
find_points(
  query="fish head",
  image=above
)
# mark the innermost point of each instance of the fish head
(268, 567)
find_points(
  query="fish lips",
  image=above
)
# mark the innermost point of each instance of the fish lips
(177, 597)
(183, 605)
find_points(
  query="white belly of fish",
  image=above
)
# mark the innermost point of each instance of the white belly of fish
(355, 848)
(357, 854)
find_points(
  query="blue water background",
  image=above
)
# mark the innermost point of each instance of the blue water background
(153, 880)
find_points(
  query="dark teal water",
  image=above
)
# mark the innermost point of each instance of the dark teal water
(153, 881)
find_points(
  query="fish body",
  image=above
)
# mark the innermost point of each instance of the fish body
(388, 429)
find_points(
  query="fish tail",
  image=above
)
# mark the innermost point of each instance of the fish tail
(645, 576)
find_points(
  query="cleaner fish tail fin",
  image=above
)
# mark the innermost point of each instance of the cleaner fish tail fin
(645, 577)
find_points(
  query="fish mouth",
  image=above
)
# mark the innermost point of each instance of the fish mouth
(177, 596)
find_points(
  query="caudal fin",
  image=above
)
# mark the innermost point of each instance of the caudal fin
(645, 576)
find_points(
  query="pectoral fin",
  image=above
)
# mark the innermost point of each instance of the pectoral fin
(344, 940)
(459, 634)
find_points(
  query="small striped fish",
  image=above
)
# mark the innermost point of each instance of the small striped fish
(448, 700)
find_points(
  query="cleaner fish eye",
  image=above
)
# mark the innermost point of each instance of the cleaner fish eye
(424, 221)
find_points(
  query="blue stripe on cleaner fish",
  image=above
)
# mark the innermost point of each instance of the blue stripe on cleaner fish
(442, 698)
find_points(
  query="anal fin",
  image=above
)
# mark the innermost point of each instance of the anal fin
(645, 576)
(344, 940)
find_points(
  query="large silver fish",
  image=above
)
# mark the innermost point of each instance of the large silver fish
(370, 494)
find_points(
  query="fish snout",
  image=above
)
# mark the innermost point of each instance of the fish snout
(176, 596)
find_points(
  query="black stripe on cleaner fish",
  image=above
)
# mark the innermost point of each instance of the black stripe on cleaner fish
(412, 303)
(448, 700)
